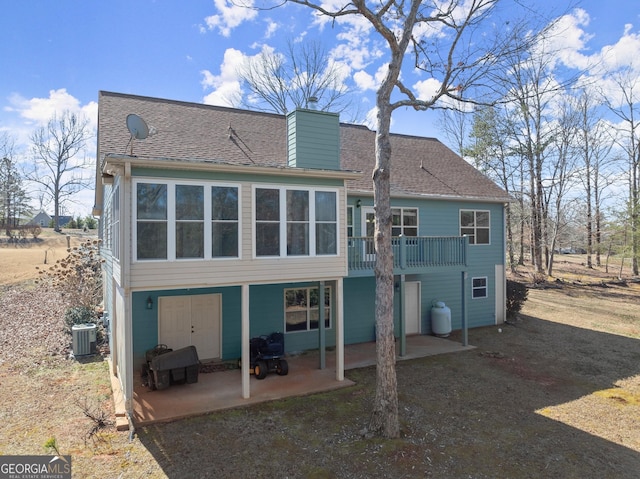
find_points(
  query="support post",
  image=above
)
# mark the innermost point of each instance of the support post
(340, 329)
(465, 326)
(322, 340)
(402, 326)
(245, 324)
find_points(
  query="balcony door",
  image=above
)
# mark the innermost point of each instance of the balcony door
(368, 219)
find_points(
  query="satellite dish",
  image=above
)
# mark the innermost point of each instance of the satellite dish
(137, 127)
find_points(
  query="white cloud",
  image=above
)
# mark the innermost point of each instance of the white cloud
(231, 15)
(272, 27)
(38, 111)
(426, 89)
(226, 86)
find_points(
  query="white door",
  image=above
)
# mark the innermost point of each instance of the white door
(412, 309)
(191, 320)
(205, 324)
(368, 225)
(175, 321)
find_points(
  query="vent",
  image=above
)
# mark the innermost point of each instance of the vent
(84, 339)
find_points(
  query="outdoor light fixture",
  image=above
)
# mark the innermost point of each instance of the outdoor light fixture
(149, 303)
(358, 203)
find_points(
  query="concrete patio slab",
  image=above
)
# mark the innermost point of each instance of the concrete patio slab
(223, 389)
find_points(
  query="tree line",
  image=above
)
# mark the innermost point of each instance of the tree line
(568, 153)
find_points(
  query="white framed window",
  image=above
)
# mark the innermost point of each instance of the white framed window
(479, 287)
(295, 221)
(476, 225)
(115, 222)
(404, 221)
(302, 309)
(181, 219)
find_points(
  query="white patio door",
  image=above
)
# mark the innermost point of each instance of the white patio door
(368, 219)
(191, 320)
(412, 307)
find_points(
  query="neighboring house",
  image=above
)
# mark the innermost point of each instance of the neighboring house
(42, 219)
(228, 224)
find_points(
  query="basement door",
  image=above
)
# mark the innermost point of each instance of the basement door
(191, 320)
(412, 307)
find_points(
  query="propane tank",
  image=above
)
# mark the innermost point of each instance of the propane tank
(440, 319)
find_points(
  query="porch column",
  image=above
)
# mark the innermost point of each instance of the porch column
(465, 327)
(322, 340)
(339, 329)
(402, 328)
(245, 341)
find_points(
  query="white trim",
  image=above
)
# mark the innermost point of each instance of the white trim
(485, 287)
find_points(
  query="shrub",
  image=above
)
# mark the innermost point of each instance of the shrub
(517, 294)
(79, 315)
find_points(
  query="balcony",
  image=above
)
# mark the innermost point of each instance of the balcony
(411, 254)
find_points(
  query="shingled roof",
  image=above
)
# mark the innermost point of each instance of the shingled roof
(191, 131)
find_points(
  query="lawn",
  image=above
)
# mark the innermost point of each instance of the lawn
(556, 393)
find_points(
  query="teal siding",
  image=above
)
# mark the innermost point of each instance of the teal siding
(313, 139)
(359, 310)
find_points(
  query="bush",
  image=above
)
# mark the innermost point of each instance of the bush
(517, 294)
(79, 315)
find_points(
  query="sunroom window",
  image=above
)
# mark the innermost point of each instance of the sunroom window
(151, 214)
(295, 222)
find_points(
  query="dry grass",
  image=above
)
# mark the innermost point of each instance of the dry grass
(20, 260)
(555, 394)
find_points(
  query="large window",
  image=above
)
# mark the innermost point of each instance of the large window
(295, 222)
(224, 221)
(189, 221)
(267, 222)
(175, 221)
(152, 221)
(302, 309)
(404, 222)
(475, 224)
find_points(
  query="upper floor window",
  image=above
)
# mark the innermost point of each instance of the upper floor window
(174, 221)
(404, 222)
(349, 221)
(295, 222)
(475, 224)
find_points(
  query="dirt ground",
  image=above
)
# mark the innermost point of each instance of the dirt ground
(556, 393)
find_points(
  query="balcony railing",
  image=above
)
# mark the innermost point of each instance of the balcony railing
(410, 253)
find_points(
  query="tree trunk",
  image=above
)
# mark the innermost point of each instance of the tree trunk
(384, 417)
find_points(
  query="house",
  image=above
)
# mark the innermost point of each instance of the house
(42, 219)
(228, 224)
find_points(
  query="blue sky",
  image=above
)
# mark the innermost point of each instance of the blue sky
(57, 55)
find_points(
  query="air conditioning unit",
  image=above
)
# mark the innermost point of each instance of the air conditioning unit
(84, 339)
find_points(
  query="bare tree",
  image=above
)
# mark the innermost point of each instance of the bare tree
(282, 82)
(57, 168)
(628, 138)
(447, 41)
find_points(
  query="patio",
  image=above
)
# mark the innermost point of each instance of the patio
(223, 389)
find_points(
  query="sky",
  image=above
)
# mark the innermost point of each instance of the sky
(56, 55)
